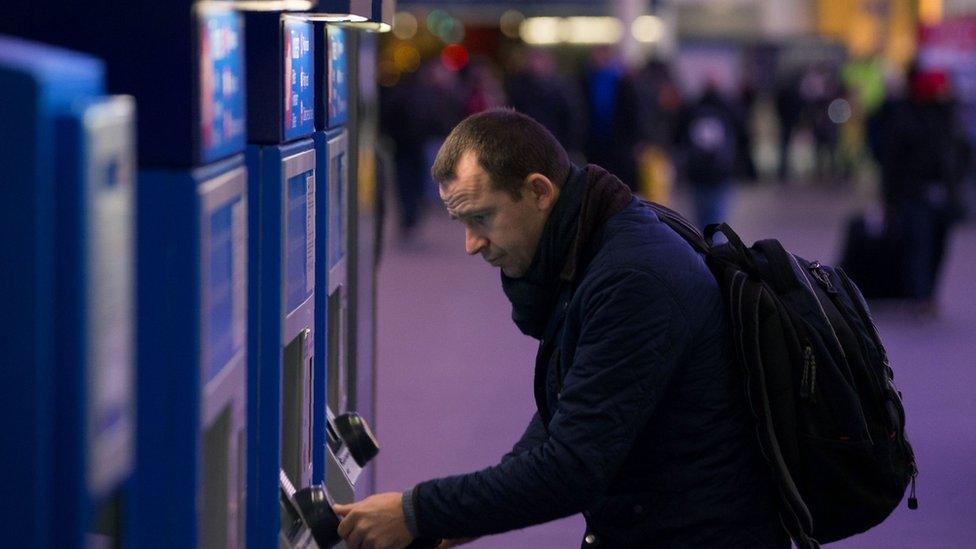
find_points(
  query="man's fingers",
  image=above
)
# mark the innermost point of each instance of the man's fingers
(342, 509)
(355, 539)
(346, 526)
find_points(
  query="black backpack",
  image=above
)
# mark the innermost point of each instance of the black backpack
(828, 417)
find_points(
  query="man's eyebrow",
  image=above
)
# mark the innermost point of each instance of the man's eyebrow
(471, 213)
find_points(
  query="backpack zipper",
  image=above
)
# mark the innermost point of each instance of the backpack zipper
(816, 268)
(808, 381)
(822, 310)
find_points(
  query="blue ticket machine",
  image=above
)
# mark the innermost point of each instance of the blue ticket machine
(67, 410)
(282, 185)
(332, 305)
(193, 302)
(183, 62)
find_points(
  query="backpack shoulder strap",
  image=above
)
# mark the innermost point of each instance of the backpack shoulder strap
(680, 225)
(781, 266)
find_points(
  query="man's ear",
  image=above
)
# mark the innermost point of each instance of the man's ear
(541, 191)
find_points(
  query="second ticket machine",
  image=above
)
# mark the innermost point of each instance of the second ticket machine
(282, 185)
(67, 406)
(342, 467)
(182, 61)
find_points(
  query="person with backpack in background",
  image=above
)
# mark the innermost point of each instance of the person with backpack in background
(708, 136)
(641, 422)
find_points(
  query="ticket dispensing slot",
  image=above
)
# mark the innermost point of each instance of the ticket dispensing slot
(216, 454)
(336, 373)
(296, 445)
(307, 518)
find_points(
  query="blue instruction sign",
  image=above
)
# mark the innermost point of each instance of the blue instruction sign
(299, 94)
(222, 122)
(338, 100)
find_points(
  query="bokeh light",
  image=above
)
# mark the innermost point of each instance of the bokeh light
(647, 29)
(839, 111)
(404, 25)
(509, 23)
(406, 58)
(454, 57)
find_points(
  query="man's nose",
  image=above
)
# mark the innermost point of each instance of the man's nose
(473, 243)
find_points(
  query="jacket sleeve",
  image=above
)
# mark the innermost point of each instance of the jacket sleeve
(534, 435)
(632, 333)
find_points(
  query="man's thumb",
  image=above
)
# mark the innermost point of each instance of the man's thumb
(342, 509)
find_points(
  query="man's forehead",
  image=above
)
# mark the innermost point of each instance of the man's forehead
(469, 182)
(459, 195)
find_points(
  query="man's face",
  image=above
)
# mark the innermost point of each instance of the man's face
(504, 231)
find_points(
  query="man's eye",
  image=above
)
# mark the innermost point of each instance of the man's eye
(480, 219)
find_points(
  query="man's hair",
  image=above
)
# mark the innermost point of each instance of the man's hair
(508, 146)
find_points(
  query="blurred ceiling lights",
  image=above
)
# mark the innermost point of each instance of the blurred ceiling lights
(548, 31)
(541, 31)
(404, 25)
(509, 23)
(267, 5)
(648, 29)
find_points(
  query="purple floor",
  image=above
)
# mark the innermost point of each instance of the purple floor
(454, 379)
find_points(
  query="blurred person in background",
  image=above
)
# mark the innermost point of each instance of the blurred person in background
(611, 112)
(535, 88)
(641, 424)
(789, 109)
(924, 157)
(416, 115)
(708, 135)
(746, 104)
(819, 87)
(658, 106)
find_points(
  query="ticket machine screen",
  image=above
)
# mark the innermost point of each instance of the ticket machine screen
(300, 239)
(226, 288)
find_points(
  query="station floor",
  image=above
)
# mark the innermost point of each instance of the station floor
(454, 378)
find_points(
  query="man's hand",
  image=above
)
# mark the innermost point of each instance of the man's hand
(376, 522)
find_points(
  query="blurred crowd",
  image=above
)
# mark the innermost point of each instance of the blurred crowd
(648, 129)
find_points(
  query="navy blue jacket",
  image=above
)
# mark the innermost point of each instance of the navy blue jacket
(641, 421)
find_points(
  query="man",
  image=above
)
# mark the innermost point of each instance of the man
(640, 423)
